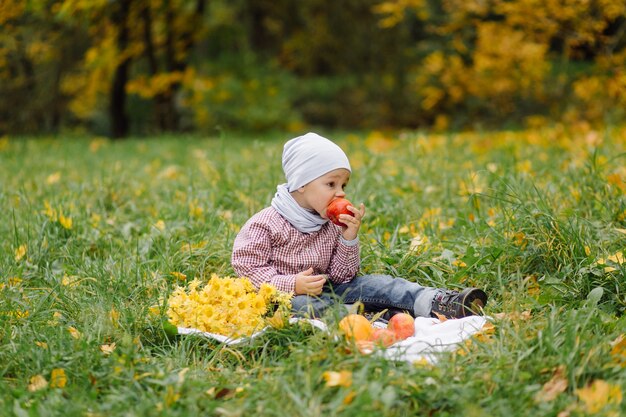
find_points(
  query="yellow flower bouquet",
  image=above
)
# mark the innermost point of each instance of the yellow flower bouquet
(226, 306)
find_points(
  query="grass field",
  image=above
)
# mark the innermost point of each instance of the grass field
(95, 233)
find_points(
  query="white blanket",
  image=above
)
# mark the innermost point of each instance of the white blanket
(431, 337)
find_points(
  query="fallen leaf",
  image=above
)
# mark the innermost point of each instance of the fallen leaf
(58, 379)
(338, 379)
(441, 317)
(598, 395)
(75, 333)
(618, 350)
(349, 397)
(555, 386)
(20, 252)
(37, 382)
(107, 349)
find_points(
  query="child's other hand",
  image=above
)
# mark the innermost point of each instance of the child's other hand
(352, 222)
(309, 284)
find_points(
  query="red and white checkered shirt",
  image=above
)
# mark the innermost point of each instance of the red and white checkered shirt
(268, 249)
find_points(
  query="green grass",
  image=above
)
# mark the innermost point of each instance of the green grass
(526, 215)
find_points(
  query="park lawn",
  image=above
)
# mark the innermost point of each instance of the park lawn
(96, 234)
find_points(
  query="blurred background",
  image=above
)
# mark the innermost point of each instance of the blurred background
(141, 67)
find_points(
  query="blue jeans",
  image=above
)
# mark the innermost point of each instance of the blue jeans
(376, 292)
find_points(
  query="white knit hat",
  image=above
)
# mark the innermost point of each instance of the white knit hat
(310, 156)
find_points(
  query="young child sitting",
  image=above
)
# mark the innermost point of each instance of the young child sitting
(294, 246)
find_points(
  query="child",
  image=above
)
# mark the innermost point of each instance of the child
(293, 246)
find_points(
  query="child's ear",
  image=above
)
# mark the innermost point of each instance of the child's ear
(301, 189)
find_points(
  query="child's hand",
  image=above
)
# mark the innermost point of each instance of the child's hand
(309, 284)
(352, 222)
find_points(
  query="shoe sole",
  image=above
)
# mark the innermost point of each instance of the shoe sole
(473, 301)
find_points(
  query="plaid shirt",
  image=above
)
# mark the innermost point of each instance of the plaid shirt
(268, 249)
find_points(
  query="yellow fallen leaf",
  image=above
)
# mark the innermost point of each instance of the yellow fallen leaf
(66, 222)
(58, 379)
(278, 320)
(598, 395)
(178, 275)
(485, 333)
(617, 257)
(37, 382)
(107, 349)
(349, 397)
(618, 350)
(114, 316)
(75, 333)
(20, 252)
(171, 396)
(441, 317)
(338, 379)
(53, 178)
(160, 224)
(555, 386)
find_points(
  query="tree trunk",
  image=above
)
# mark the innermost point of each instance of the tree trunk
(175, 64)
(117, 103)
(161, 107)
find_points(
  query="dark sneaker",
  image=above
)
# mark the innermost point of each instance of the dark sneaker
(454, 304)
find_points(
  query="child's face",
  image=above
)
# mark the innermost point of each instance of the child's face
(318, 194)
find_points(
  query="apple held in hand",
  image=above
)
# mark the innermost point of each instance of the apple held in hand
(337, 207)
(402, 325)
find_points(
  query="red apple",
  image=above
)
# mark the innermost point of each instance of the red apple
(337, 207)
(383, 337)
(402, 325)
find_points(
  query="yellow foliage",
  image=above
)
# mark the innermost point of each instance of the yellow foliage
(393, 11)
(157, 84)
(11, 9)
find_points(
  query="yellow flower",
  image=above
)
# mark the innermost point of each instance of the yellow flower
(227, 306)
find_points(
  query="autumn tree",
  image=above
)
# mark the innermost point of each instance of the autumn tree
(36, 51)
(512, 57)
